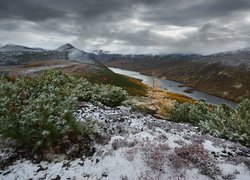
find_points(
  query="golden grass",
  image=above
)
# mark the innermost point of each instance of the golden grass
(45, 63)
(179, 97)
(160, 102)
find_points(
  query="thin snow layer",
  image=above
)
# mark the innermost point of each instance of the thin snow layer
(81, 56)
(138, 146)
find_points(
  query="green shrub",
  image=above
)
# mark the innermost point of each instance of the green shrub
(221, 121)
(38, 112)
(109, 95)
(180, 112)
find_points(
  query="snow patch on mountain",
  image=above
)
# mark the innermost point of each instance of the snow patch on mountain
(76, 54)
(80, 56)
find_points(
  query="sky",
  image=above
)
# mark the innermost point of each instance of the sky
(128, 26)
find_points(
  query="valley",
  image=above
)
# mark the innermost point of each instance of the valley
(125, 90)
(214, 74)
(175, 87)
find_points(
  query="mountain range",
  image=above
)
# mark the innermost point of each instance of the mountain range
(15, 54)
(225, 74)
(16, 61)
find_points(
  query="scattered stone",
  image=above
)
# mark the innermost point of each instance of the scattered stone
(104, 174)
(40, 168)
(66, 164)
(57, 178)
(7, 172)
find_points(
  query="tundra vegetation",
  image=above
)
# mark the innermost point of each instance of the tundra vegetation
(38, 112)
(220, 121)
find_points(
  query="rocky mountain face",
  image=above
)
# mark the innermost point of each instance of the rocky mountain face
(16, 55)
(225, 74)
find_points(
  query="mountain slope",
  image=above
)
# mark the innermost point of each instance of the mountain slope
(65, 47)
(17, 61)
(237, 58)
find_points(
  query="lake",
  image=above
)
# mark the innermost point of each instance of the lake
(175, 87)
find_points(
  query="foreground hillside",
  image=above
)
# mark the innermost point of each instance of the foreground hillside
(226, 75)
(56, 126)
(137, 146)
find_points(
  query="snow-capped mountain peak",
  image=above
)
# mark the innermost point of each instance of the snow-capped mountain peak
(65, 47)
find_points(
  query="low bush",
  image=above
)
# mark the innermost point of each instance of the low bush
(38, 112)
(221, 121)
(108, 95)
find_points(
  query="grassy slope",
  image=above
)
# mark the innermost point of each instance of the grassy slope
(105, 76)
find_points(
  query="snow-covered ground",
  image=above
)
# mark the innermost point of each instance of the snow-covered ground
(138, 146)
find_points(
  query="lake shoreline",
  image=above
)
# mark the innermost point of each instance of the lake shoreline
(182, 87)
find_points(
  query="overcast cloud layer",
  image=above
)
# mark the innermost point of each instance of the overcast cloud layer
(128, 26)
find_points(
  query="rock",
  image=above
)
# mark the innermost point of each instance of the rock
(230, 154)
(7, 172)
(57, 178)
(66, 164)
(97, 161)
(104, 174)
(40, 168)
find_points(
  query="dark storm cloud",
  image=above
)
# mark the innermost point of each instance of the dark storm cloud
(33, 10)
(138, 26)
(184, 13)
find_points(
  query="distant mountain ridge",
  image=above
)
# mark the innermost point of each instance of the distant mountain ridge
(230, 58)
(67, 51)
(13, 47)
(225, 74)
(236, 58)
(15, 54)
